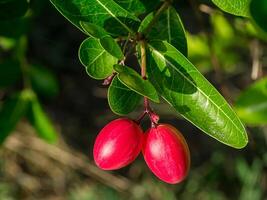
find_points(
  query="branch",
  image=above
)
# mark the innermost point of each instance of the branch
(70, 158)
(256, 53)
(163, 7)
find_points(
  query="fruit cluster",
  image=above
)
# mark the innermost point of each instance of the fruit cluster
(164, 149)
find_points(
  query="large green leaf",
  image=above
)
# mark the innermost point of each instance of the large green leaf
(12, 111)
(251, 105)
(138, 6)
(98, 62)
(169, 27)
(12, 9)
(135, 82)
(107, 42)
(258, 11)
(235, 7)
(9, 72)
(43, 81)
(121, 99)
(41, 122)
(183, 87)
(104, 13)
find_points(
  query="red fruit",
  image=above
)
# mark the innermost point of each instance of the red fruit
(166, 153)
(118, 144)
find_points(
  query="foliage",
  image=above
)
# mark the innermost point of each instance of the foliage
(221, 51)
(174, 77)
(252, 103)
(15, 69)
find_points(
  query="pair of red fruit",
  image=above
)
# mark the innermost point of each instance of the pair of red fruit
(164, 149)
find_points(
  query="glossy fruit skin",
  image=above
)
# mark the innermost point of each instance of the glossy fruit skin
(118, 144)
(166, 153)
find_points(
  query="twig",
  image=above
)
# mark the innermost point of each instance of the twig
(108, 80)
(73, 160)
(20, 53)
(256, 53)
(164, 6)
(154, 118)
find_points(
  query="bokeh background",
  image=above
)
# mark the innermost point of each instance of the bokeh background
(228, 50)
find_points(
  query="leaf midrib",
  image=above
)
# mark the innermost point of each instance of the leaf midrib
(126, 27)
(218, 107)
(96, 58)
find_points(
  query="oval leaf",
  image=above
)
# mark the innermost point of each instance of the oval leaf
(97, 61)
(41, 122)
(258, 11)
(107, 42)
(184, 88)
(235, 7)
(251, 105)
(104, 13)
(121, 99)
(168, 27)
(12, 111)
(135, 82)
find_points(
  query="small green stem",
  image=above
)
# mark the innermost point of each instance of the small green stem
(163, 7)
(20, 54)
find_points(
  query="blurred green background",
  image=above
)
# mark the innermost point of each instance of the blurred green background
(47, 133)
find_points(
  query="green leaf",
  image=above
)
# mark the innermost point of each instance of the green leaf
(251, 105)
(41, 122)
(258, 11)
(43, 81)
(199, 52)
(184, 88)
(104, 13)
(107, 42)
(138, 7)
(169, 27)
(235, 7)
(97, 61)
(222, 28)
(121, 99)
(9, 72)
(135, 82)
(12, 9)
(12, 111)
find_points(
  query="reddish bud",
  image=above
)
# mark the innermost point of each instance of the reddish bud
(118, 144)
(166, 153)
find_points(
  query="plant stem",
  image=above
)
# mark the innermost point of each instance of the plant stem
(109, 79)
(143, 69)
(154, 118)
(163, 7)
(256, 53)
(143, 59)
(20, 54)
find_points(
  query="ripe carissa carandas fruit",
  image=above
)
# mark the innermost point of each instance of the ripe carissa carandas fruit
(118, 144)
(166, 153)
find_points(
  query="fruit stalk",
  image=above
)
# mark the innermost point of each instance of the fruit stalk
(152, 115)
